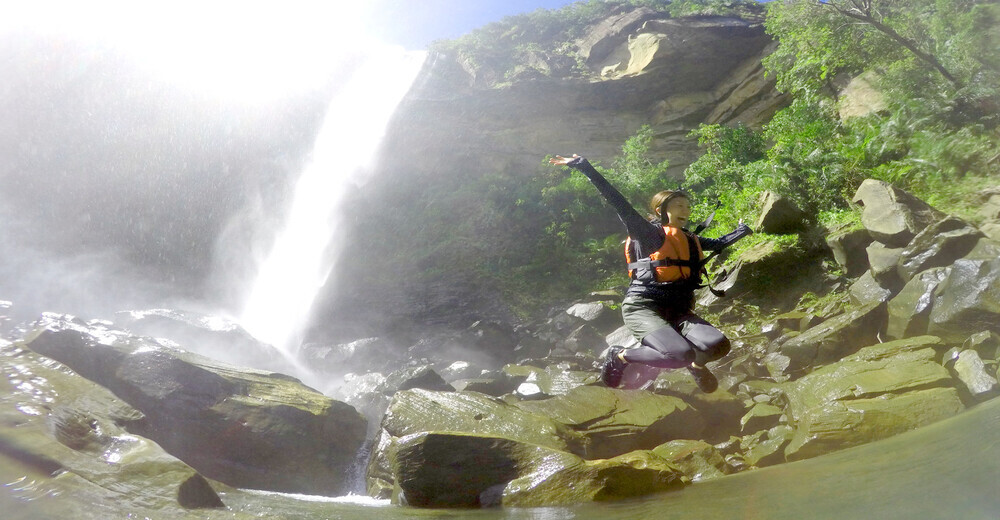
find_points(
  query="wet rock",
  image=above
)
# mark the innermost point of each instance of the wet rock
(720, 410)
(891, 215)
(698, 460)
(417, 411)
(880, 391)
(763, 271)
(796, 320)
(439, 469)
(493, 386)
(622, 337)
(987, 343)
(408, 378)
(358, 356)
(779, 215)
(619, 421)
(243, 427)
(555, 379)
(583, 339)
(777, 365)
(460, 370)
(971, 371)
(61, 426)
(848, 247)
(969, 298)
(909, 311)
(210, 336)
(867, 290)
(761, 416)
(599, 315)
(938, 245)
(834, 338)
(766, 448)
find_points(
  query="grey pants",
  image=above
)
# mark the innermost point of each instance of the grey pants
(670, 339)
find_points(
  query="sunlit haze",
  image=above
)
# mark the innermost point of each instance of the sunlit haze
(244, 51)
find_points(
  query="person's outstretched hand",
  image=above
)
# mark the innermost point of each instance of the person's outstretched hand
(562, 160)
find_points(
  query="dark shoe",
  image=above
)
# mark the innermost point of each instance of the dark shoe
(705, 378)
(614, 368)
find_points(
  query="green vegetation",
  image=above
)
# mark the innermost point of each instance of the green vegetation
(934, 62)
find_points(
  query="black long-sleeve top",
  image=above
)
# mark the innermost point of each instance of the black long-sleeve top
(647, 236)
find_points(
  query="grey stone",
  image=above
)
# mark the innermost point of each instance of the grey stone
(892, 215)
(866, 290)
(848, 248)
(883, 263)
(972, 372)
(779, 216)
(968, 299)
(879, 391)
(240, 426)
(938, 245)
(909, 311)
(834, 338)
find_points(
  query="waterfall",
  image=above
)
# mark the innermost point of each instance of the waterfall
(300, 262)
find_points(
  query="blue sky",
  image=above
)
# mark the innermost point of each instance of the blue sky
(415, 23)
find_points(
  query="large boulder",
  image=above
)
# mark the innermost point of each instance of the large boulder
(880, 391)
(243, 427)
(779, 215)
(834, 338)
(969, 298)
(892, 215)
(848, 246)
(619, 421)
(720, 410)
(698, 460)
(910, 310)
(73, 438)
(938, 245)
(450, 469)
(972, 372)
(883, 263)
(417, 411)
(603, 318)
(211, 336)
(866, 289)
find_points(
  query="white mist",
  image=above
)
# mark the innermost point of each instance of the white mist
(300, 260)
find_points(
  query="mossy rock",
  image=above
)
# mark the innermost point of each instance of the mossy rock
(834, 338)
(969, 298)
(65, 435)
(619, 421)
(240, 426)
(698, 459)
(880, 391)
(451, 469)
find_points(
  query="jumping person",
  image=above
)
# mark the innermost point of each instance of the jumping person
(664, 263)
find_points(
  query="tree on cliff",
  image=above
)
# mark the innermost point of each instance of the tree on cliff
(823, 38)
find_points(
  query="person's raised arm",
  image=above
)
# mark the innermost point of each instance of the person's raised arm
(636, 225)
(718, 244)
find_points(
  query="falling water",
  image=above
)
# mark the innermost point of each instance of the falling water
(300, 261)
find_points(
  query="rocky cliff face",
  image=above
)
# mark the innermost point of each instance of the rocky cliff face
(640, 68)
(466, 121)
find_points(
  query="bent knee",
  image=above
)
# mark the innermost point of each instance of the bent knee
(714, 351)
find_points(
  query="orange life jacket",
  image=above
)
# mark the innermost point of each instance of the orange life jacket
(671, 263)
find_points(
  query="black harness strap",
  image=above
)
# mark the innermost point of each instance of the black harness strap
(697, 267)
